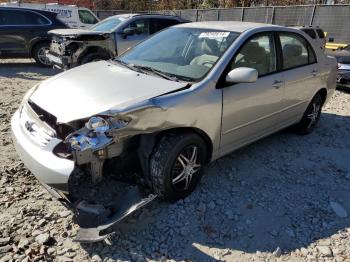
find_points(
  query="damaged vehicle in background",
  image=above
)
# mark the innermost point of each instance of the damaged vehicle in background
(105, 40)
(156, 115)
(343, 57)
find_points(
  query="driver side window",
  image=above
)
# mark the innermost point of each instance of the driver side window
(140, 27)
(258, 53)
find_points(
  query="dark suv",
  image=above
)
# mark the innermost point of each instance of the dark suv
(23, 33)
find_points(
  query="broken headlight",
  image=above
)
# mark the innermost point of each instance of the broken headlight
(97, 124)
(96, 133)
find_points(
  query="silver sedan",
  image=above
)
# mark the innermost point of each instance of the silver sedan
(184, 97)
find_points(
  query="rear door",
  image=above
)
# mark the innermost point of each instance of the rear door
(251, 110)
(140, 28)
(13, 36)
(19, 29)
(301, 74)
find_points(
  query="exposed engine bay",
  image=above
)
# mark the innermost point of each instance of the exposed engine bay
(70, 47)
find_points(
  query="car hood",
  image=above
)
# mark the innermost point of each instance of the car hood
(75, 32)
(97, 87)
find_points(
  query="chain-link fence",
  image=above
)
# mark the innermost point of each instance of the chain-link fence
(333, 19)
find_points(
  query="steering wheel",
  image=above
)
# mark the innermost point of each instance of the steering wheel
(210, 63)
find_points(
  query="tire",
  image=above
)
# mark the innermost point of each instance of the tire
(311, 116)
(39, 55)
(167, 163)
(88, 58)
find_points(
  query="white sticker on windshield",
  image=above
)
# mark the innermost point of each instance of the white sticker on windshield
(214, 34)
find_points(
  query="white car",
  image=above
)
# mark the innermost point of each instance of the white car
(73, 16)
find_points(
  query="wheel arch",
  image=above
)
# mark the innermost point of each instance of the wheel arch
(199, 132)
(37, 42)
(93, 49)
(323, 92)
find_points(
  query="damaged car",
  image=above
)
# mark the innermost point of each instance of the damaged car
(151, 119)
(105, 40)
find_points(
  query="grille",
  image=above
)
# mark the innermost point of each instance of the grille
(62, 130)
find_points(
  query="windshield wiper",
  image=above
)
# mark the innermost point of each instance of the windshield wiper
(157, 72)
(130, 66)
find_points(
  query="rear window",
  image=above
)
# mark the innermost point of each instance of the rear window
(19, 17)
(310, 32)
(158, 24)
(320, 33)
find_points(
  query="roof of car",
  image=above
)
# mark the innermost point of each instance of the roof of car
(27, 9)
(148, 15)
(234, 26)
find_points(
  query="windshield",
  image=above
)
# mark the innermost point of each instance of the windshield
(185, 53)
(107, 25)
(86, 17)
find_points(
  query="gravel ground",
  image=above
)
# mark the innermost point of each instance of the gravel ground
(284, 198)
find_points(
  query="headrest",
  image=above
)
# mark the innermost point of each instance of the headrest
(253, 52)
(292, 50)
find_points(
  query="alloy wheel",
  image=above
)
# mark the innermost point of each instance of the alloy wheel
(313, 114)
(42, 56)
(186, 166)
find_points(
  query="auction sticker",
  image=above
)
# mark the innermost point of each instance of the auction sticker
(213, 34)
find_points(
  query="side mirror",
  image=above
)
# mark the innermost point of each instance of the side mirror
(128, 31)
(242, 75)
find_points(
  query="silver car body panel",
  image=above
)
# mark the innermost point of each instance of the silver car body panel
(74, 95)
(117, 90)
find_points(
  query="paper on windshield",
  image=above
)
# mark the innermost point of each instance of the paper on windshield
(213, 34)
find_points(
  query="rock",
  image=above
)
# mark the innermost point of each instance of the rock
(96, 258)
(325, 251)
(43, 238)
(42, 222)
(274, 233)
(51, 251)
(277, 252)
(4, 241)
(304, 251)
(211, 205)
(229, 214)
(64, 214)
(23, 242)
(6, 258)
(5, 249)
(201, 207)
(338, 209)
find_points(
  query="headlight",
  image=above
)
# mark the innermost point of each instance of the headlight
(97, 124)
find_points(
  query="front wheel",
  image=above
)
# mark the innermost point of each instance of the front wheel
(176, 165)
(311, 116)
(39, 54)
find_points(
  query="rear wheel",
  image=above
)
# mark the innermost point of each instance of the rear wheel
(93, 57)
(39, 54)
(311, 116)
(176, 165)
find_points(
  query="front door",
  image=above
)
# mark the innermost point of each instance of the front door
(139, 29)
(251, 110)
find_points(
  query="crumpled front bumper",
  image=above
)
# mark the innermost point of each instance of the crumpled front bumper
(60, 61)
(40, 159)
(54, 172)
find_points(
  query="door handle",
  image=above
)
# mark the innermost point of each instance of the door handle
(314, 72)
(277, 84)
